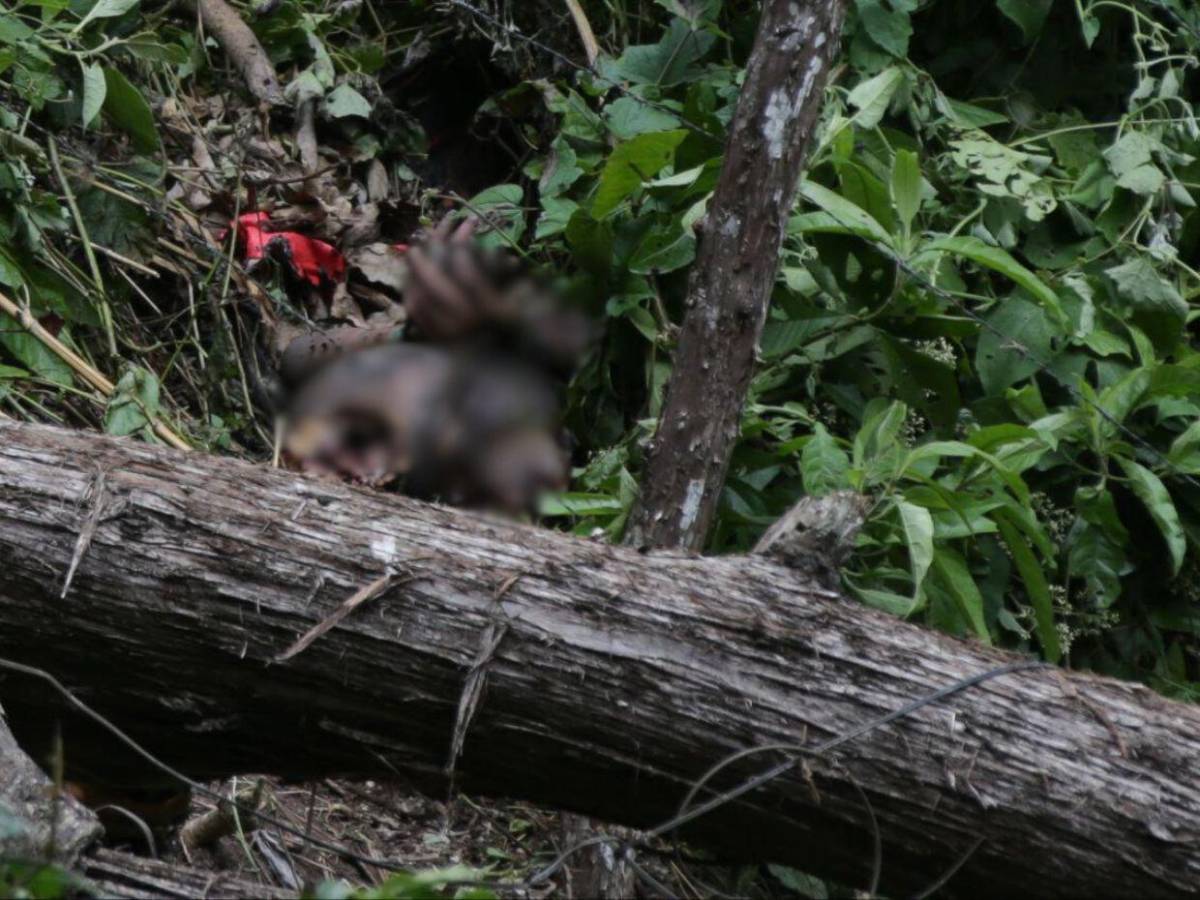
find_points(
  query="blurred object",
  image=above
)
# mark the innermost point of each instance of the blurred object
(457, 291)
(468, 414)
(305, 354)
(463, 427)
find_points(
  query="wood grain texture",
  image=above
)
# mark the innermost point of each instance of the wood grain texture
(619, 677)
(38, 822)
(237, 39)
(128, 877)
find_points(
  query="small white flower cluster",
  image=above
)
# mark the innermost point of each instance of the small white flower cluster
(1057, 519)
(939, 349)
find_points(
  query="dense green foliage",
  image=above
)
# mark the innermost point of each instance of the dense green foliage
(984, 315)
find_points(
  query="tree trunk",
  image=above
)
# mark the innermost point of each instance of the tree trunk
(730, 283)
(614, 678)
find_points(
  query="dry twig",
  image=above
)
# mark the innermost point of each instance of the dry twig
(85, 370)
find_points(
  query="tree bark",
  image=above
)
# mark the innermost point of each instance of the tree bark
(237, 39)
(614, 678)
(37, 821)
(123, 875)
(730, 283)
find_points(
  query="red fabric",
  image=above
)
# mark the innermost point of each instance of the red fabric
(314, 260)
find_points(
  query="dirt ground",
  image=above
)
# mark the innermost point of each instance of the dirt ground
(501, 841)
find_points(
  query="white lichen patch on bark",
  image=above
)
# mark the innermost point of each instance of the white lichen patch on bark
(776, 117)
(691, 504)
(781, 108)
(383, 547)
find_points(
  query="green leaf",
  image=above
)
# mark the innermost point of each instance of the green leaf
(918, 534)
(800, 883)
(888, 601)
(115, 223)
(957, 449)
(150, 46)
(871, 97)
(322, 64)
(1151, 294)
(500, 206)
(32, 353)
(591, 242)
(129, 111)
(697, 13)
(685, 178)
(1185, 450)
(858, 184)
(1153, 493)
(632, 163)
(838, 215)
(106, 9)
(906, 187)
(627, 117)
(344, 101)
(1035, 586)
(94, 89)
(1005, 172)
(888, 25)
(1030, 15)
(568, 503)
(824, 465)
(133, 404)
(556, 213)
(13, 30)
(955, 578)
(1016, 343)
(1131, 151)
(304, 87)
(10, 272)
(580, 124)
(968, 115)
(1142, 180)
(560, 171)
(663, 250)
(1097, 544)
(666, 63)
(880, 431)
(1001, 261)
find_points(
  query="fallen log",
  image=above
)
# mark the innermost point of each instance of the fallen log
(572, 673)
(127, 877)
